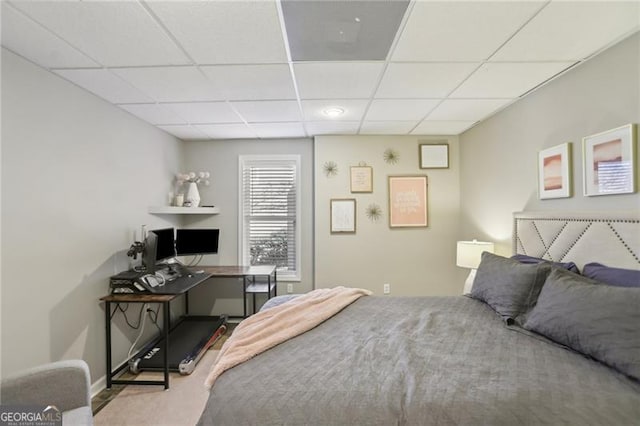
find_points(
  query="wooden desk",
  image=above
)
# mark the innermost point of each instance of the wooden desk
(249, 275)
(165, 295)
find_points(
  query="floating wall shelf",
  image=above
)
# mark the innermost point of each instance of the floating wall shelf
(183, 210)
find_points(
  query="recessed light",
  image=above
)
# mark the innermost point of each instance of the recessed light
(333, 112)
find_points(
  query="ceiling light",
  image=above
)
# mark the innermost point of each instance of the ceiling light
(333, 112)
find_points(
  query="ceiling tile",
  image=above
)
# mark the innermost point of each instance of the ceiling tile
(332, 127)
(422, 80)
(571, 31)
(105, 84)
(343, 80)
(29, 39)
(107, 31)
(227, 131)
(460, 31)
(268, 111)
(442, 127)
(252, 82)
(278, 130)
(353, 109)
(154, 113)
(225, 32)
(400, 109)
(466, 109)
(507, 80)
(206, 112)
(342, 30)
(387, 127)
(184, 132)
(171, 84)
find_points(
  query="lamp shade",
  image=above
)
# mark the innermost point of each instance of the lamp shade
(469, 253)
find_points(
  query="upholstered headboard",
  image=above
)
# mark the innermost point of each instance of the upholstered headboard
(610, 238)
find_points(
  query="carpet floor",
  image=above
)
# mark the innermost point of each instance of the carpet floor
(180, 405)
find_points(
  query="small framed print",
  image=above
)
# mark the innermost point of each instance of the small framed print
(361, 179)
(434, 156)
(609, 161)
(407, 201)
(554, 172)
(343, 216)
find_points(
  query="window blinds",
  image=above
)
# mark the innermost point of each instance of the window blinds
(269, 207)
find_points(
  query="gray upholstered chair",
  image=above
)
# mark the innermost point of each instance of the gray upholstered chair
(64, 384)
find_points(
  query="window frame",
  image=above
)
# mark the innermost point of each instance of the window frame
(273, 160)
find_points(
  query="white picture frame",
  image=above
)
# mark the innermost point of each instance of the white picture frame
(554, 172)
(608, 162)
(343, 215)
(434, 156)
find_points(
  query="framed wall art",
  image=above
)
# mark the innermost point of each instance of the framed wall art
(361, 179)
(407, 201)
(609, 161)
(343, 216)
(554, 172)
(434, 156)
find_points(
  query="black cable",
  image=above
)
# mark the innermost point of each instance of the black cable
(124, 313)
(153, 315)
(119, 308)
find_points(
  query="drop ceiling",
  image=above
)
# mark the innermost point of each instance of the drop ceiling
(268, 69)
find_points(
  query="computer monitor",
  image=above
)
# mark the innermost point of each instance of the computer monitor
(165, 244)
(149, 253)
(197, 241)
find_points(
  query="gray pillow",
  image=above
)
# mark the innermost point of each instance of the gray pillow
(596, 320)
(508, 286)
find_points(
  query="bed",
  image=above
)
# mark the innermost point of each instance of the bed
(446, 360)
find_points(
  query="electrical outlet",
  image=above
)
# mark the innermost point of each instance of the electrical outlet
(386, 288)
(289, 288)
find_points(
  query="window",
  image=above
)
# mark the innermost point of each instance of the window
(269, 213)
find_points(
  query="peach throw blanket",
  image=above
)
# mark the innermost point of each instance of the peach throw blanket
(273, 326)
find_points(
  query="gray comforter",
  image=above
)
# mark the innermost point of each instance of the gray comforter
(420, 361)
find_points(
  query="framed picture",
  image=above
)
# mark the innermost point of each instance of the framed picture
(361, 179)
(434, 156)
(609, 161)
(554, 172)
(407, 201)
(343, 216)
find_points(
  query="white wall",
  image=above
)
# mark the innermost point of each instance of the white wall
(220, 158)
(78, 175)
(499, 156)
(415, 261)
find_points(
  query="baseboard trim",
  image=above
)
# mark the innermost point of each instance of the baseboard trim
(98, 386)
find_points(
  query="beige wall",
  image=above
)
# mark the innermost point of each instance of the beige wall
(498, 159)
(220, 158)
(78, 175)
(415, 261)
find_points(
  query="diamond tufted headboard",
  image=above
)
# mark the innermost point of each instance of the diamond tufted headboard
(610, 238)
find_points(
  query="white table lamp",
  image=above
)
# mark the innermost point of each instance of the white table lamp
(468, 256)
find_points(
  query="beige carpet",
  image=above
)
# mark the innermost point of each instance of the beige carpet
(181, 405)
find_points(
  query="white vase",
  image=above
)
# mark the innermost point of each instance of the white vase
(193, 195)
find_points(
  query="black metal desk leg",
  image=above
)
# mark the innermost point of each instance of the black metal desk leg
(244, 295)
(254, 303)
(166, 314)
(107, 318)
(275, 282)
